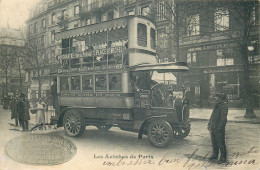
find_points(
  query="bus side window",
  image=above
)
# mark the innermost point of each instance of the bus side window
(87, 83)
(64, 83)
(142, 35)
(114, 82)
(101, 82)
(75, 83)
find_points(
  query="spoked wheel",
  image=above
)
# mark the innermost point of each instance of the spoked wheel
(104, 127)
(43, 127)
(181, 132)
(73, 123)
(160, 133)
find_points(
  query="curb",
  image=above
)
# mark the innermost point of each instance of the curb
(232, 121)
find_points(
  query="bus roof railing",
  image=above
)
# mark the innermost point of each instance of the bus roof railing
(162, 67)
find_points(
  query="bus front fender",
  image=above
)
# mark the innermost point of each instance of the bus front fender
(146, 122)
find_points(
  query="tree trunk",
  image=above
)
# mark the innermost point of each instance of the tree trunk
(6, 81)
(248, 88)
(40, 85)
(20, 75)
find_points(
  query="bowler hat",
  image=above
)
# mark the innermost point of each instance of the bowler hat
(222, 95)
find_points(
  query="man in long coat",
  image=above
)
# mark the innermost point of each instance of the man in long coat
(14, 111)
(23, 107)
(216, 126)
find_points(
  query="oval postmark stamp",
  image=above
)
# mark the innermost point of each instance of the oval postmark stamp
(41, 149)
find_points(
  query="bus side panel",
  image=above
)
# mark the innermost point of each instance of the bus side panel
(103, 102)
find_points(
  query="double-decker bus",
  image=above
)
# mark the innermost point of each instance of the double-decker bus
(106, 80)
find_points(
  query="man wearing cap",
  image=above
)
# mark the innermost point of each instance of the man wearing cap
(216, 126)
(23, 107)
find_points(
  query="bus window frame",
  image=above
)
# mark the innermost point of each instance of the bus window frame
(106, 82)
(61, 90)
(93, 82)
(77, 90)
(138, 35)
(119, 75)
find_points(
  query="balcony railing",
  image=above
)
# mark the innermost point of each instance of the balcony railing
(99, 4)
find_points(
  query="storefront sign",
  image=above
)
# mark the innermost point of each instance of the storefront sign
(213, 46)
(93, 53)
(222, 70)
(95, 68)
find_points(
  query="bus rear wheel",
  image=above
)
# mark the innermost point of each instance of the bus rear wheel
(73, 123)
(160, 133)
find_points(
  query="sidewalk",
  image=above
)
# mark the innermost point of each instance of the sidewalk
(234, 115)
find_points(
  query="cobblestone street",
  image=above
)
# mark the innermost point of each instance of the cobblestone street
(118, 149)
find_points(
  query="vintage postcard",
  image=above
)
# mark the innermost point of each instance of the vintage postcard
(129, 84)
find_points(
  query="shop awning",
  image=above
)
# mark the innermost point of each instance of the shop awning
(94, 28)
(162, 67)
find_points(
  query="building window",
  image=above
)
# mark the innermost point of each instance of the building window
(87, 83)
(53, 36)
(35, 27)
(42, 40)
(76, 10)
(197, 90)
(88, 21)
(53, 18)
(30, 30)
(194, 25)
(152, 38)
(64, 84)
(191, 57)
(98, 18)
(131, 12)
(75, 83)
(110, 15)
(145, 11)
(101, 82)
(160, 11)
(67, 45)
(64, 14)
(142, 35)
(221, 19)
(253, 16)
(43, 23)
(115, 82)
(223, 57)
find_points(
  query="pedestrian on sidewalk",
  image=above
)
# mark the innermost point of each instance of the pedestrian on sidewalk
(23, 107)
(14, 111)
(40, 108)
(216, 126)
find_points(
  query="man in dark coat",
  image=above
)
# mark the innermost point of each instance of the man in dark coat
(23, 107)
(216, 126)
(14, 111)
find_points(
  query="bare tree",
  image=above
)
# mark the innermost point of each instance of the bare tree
(35, 57)
(244, 31)
(6, 65)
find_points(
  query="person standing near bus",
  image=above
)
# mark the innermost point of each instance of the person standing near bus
(23, 107)
(40, 114)
(216, 126)
(14, 111)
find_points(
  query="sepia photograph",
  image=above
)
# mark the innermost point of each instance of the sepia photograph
(129, 84)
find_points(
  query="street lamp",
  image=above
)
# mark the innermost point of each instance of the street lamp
(250, 48)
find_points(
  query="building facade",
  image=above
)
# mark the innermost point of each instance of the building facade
(213, 53)
(11, 41)
(50, 17)
(47, 18)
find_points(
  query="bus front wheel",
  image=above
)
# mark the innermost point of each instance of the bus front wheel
(160, 133)
(73, 123)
